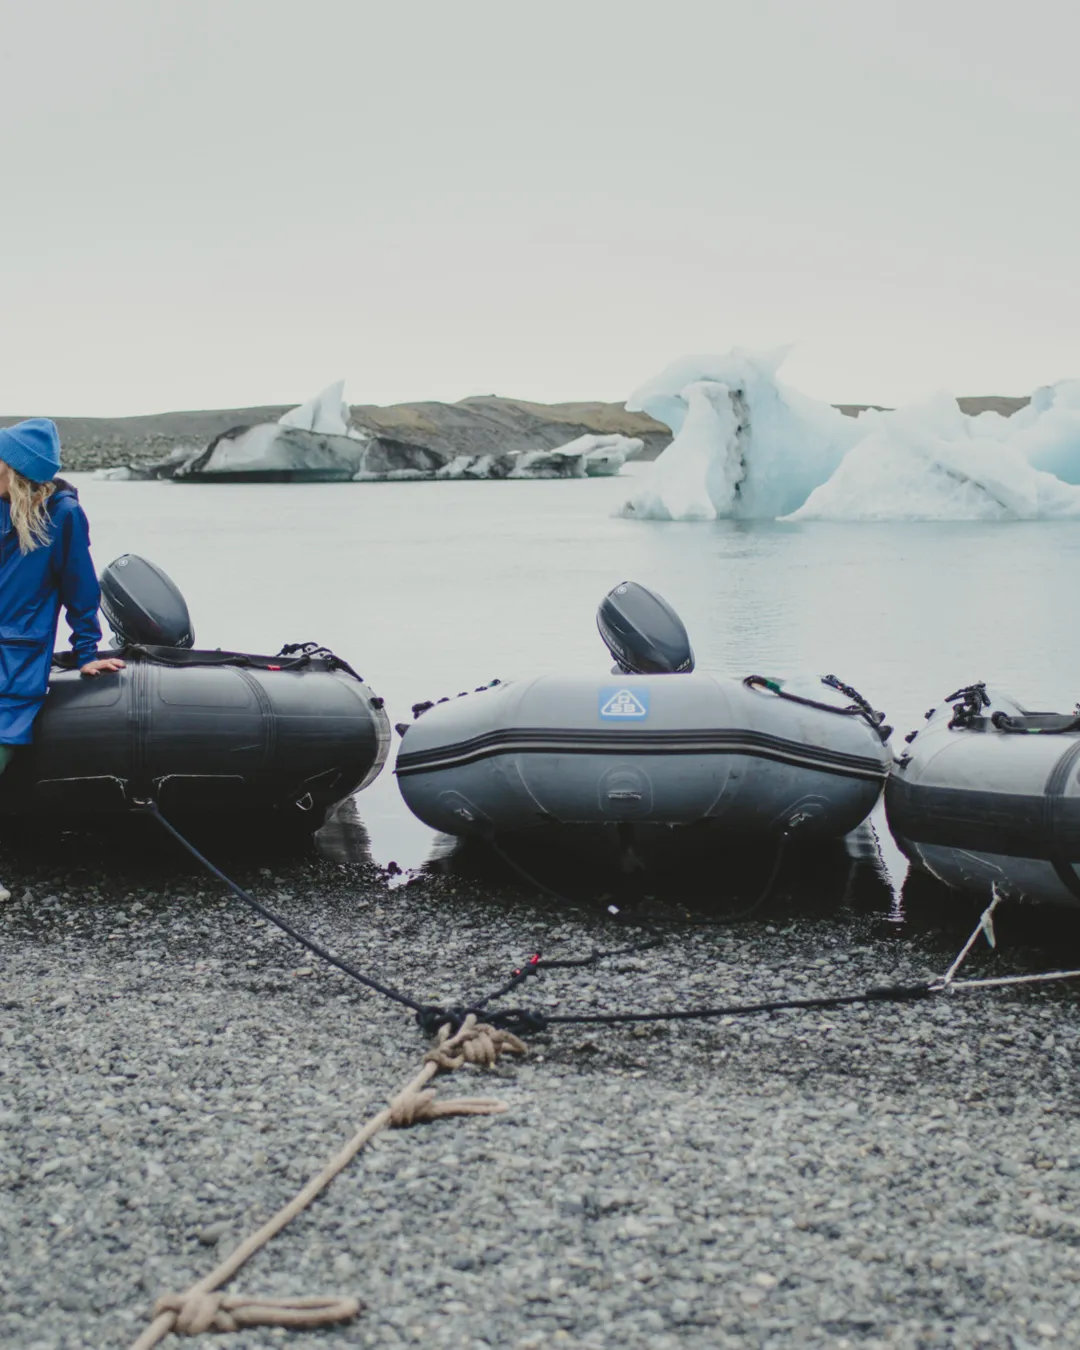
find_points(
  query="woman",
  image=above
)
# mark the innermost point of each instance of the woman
(44, 564)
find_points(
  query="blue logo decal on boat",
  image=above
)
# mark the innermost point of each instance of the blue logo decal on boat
(623, 705)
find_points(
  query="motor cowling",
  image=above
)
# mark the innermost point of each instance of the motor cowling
(643, 633)
(143, 606)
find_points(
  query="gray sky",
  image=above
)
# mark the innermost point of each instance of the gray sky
(216, 203)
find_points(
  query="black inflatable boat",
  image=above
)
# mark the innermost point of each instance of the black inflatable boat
(196, 731)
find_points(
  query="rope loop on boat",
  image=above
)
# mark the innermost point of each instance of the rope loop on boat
(860, 707)
(306, 652)
(969, 703)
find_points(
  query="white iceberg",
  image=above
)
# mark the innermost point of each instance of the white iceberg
(327, 413)
(604, 456)
(747, 446)
(1046, 432)
(930, 462)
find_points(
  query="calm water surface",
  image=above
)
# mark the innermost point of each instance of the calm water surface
(431, 588)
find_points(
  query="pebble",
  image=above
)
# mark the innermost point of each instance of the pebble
(886, 1178)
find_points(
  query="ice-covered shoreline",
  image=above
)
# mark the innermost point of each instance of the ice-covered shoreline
(480, 424)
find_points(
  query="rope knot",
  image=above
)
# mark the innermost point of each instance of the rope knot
(474, 1043)
(411, 1107)
(197, 1311)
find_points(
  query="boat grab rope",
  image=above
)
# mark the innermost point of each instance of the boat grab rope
(1037, 724)
(970, 702)
(859, 706)
(293, 656)
(202, 1308)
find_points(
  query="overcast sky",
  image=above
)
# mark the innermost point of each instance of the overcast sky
(213, 203)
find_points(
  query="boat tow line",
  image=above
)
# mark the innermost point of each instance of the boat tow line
(523, 1021)
(460, 1039)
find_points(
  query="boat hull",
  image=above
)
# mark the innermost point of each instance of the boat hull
(980, 806)
(642, 769)
(200, 732)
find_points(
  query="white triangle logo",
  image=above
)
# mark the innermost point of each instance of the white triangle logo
(623, 704)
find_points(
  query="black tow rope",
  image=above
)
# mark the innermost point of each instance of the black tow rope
(430, 1017)
(346, 967)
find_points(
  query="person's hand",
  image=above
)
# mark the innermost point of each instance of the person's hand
(107, 663)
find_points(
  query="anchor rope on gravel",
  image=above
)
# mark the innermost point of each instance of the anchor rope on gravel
(316, 948)
(524, 1021)
(203, 1308)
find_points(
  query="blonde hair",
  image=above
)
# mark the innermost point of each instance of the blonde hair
(29, 516)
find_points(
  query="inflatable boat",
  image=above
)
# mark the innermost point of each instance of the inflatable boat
(657, 762)
(196, 731)
(988, 795)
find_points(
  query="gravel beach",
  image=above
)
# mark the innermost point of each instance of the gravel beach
(172, 1070)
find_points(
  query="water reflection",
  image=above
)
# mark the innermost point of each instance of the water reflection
(344, 837)
(806, 880)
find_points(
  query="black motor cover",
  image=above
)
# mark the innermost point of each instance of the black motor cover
(643, 633)
(143, 606)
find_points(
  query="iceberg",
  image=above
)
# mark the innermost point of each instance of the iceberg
(749, 447)
(515, 464)
(1047, 431)
(327, 413)
(317, 442)
(931, 462)
(744, 444)
(313, 441)
(604, 456)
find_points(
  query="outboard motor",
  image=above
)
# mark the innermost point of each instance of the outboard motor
(143, 606)
(643, 633)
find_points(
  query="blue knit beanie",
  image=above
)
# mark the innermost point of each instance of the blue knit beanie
(32, 448)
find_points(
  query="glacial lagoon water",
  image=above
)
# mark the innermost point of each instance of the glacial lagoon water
(432, 588)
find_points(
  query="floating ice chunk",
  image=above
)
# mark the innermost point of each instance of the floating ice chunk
(1047, 431)
(327, 413)
(604, 455)
(548, 464)
(930, 462)
(745, 445)
(698, 475)
(270, 450)
(527, 464)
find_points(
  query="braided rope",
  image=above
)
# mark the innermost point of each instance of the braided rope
(201, 1308)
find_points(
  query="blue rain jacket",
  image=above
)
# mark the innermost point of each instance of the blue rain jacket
(33, 586)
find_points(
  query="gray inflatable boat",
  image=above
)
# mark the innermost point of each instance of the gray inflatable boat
(642, 766)
(651, 765)
(988, 796)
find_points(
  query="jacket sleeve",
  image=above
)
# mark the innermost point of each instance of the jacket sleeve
(80, 593)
